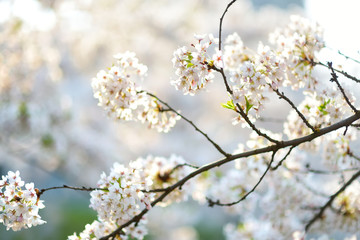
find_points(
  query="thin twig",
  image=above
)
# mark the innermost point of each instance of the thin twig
(89, 189)
(228, 89)
(282, 95)
(316, 171)
(182, 165)
(221, 71)
(253, 127)
(239, 109)
(345, 74)
(334, 78)
(351, 154)
(283, 159)
(345, 56)
(271, 148)
(218, 203)
(310, 189)
(329, 202)
(221, 21)
(192, 124)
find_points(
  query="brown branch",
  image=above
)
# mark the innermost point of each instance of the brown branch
(334, 78)
(41, 191)
(182, 165)
(310, 189)
(330, 201)
(221, 71)
(253, 127)
(218, 203)
(191, 123)
(283, 159)
(240, 110)
(270, 148)
(351, 154)
(282, 95)
(345, 74)
(221, 21)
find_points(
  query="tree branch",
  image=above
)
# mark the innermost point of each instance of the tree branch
(284, 158)
(204, 168)
(253, 127)
(192, 124)
(221, 21)
(345, 56)
(218, 203)
(282, 95)
(89, 189)
(329, 202)
(334, 78)
(345, 74)
(329, 172)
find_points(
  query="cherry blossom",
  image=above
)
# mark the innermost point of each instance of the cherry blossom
(19, 206)
(120, 94)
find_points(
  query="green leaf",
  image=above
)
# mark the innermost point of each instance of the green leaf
(23, 110)
(190, 57)
(189, 65)
(229, 105)
(241, 227)
(47, 141)
(248, 105)
(322, 107)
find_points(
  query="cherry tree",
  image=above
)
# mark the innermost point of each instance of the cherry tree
(301, 182)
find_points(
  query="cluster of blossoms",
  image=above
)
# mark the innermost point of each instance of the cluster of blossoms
(285, 202)
(253, 73)
(337, 152)
(322, 109)
(165, 172)
(192, 66)
(297, 43)
(124, 193)
(120, 195)
(289, 63)
(19, 207)
(99, 229)
(122, 98)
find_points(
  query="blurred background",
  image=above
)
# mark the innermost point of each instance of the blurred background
(52, 130)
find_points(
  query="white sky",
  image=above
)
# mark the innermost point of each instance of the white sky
(340, 20)
(30, 11)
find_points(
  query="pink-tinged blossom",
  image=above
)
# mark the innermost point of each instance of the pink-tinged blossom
(119, 93)
(122, 197)
(19, 207)
(164, 172)
(191, 65)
